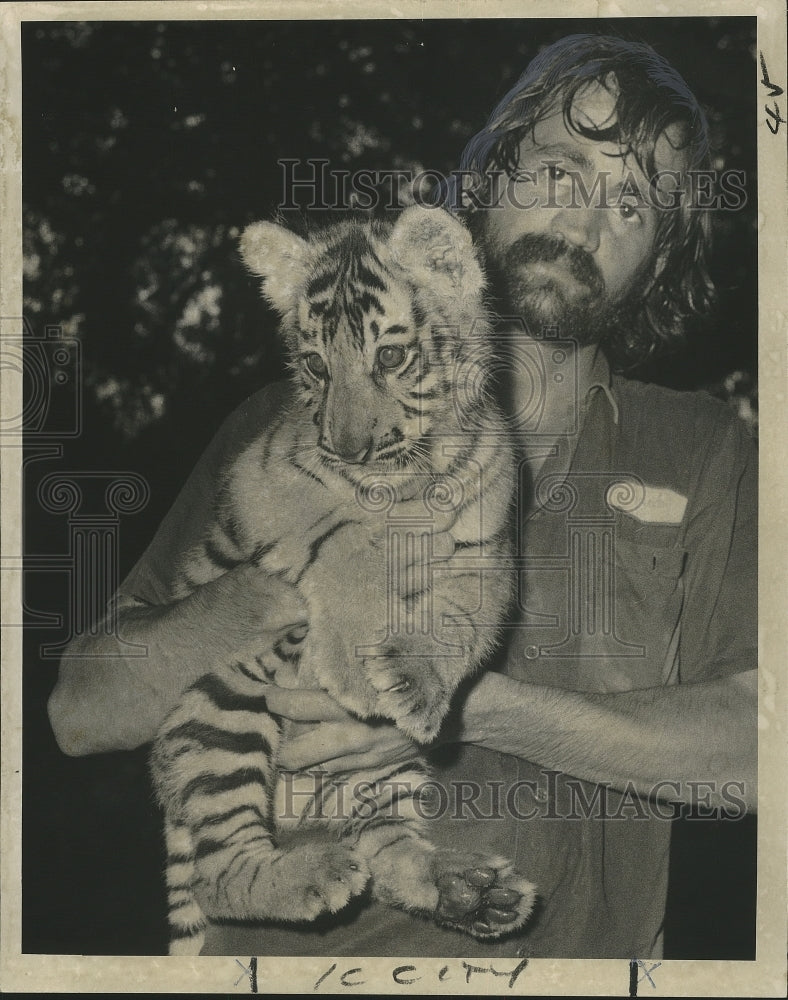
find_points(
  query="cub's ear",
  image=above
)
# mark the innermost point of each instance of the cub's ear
(437, 248)
(280, 258)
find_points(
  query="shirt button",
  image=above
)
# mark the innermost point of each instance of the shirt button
(531, 652)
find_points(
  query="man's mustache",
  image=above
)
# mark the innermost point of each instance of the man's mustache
(533, 247)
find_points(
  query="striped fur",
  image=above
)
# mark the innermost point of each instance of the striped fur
(389, 434)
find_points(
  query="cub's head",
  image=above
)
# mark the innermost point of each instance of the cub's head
(376, 317)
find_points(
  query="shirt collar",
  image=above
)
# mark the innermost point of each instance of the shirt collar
(600, 377)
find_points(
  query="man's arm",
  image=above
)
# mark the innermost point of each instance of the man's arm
(638, 739)
(705, 731)
(105, 701)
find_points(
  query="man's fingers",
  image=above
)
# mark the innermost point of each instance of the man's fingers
(300, 754)
(303, 705)
(346, 745)
(362, 761)
(317, 748)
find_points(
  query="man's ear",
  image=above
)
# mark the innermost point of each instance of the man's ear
(280, 258)
(437, 249)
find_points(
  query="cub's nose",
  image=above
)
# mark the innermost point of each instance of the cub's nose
(355, 457)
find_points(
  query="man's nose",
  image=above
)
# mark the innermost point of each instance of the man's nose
(579, 226)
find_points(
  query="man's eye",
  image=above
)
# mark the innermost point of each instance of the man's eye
(557, 173)
(391, 357)
(315, 364)
(629, 211)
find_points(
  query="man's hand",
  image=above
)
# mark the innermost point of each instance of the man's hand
(105, 700)
(338, 742)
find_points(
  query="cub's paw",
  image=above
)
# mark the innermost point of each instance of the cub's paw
(312, 877)
(411, 692)
(481, 896)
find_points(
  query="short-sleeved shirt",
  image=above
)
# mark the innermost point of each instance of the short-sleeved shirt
(638, 569)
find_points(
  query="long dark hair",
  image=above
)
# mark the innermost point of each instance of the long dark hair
(651, 96)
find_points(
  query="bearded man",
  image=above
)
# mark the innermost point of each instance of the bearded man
(628, 685)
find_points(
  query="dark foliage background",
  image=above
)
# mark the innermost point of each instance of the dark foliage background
(147, 147)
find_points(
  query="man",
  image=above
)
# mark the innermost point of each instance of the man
(628, 681)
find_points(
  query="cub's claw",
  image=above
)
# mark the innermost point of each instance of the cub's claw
(409, 691)
(322, 877)
(397, 688)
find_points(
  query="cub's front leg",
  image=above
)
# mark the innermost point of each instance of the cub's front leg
(345, 590)
(451, 625)
(396, 639)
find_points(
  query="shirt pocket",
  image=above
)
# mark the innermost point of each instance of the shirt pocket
(649, 588)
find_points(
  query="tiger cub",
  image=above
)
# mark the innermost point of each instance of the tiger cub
(388, 436)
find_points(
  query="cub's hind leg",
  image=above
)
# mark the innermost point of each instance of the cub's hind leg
(214, 766)
(477, 894)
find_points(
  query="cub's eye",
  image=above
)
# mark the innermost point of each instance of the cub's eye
(391, 357)
(315, 364)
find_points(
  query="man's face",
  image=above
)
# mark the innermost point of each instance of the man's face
(560, 251)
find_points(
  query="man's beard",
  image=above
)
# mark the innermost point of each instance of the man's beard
(585, 316)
